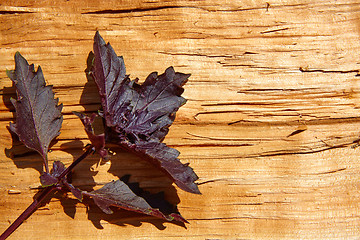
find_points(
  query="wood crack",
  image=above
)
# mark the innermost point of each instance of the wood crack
(134, 10)
(274, 30)
(231, 139)
(287, 152)
(234, 218)
(212, 180)
(276, 89)
(331, 71)
(329, 172)
(200, 55)
(4, 12)
(321, 121)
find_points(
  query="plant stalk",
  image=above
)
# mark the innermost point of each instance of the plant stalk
(37, 201)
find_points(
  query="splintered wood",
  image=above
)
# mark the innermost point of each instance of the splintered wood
(271, 125)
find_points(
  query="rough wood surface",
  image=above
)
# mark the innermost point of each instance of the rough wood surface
(271, 125)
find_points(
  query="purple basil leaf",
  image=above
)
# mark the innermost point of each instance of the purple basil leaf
(118, 194)
(98, 141)
(38, 115)
(48, 179)
(74, 190)
(158, 153)
(52, 178)
(57, 170)
(138, 116)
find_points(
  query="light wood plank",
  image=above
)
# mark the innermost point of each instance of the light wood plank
(271, 124)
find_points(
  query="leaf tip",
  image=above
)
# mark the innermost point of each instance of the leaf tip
(12, 127)
(98, 39)
(18, 57)
(178, 217)
(190, 187)
(18, 54)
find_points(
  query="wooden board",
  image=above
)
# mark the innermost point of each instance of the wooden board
(271, 125)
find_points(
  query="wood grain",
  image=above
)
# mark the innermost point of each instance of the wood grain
(271, 125)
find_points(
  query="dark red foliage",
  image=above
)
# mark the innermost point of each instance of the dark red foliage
(118, 194)
(38, 115)
(49, 179)
(138, 117)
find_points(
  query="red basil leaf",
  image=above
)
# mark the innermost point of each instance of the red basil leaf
(52, 178)
(74, 190)
(118, 194)
(139, 116)
(38, 115)
(48, 179)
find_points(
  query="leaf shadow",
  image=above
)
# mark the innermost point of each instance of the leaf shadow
(90, 99)
(82, 176)
(68, 204)
(18, 152)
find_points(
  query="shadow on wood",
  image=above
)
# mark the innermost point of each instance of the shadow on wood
(90, 99)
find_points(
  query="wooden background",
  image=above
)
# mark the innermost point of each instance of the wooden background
(271, 125)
